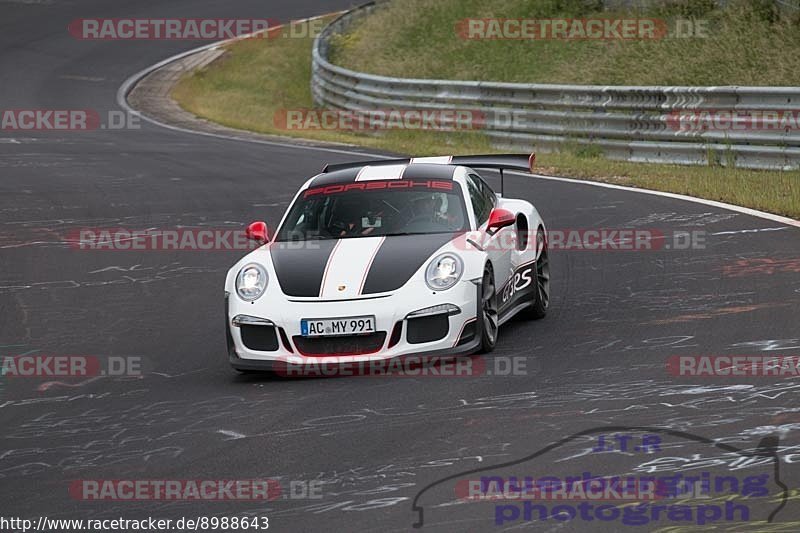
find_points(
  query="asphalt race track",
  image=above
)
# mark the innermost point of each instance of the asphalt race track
(597, 361)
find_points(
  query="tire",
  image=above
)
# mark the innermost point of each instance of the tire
(488, 318)
(541, 295)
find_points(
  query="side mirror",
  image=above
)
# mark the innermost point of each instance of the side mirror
(499, 219)
(257, 231)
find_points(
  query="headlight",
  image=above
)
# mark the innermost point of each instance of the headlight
(444, 271)
(251, 282)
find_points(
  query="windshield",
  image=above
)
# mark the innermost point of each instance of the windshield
(375, 209)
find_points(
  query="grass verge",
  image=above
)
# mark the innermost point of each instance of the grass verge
(257, 79)
(746, 42)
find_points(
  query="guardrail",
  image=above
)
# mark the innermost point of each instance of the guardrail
(655, 124)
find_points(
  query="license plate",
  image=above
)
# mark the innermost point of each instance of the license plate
(328, 327)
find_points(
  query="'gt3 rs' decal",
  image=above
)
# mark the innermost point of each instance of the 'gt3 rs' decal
(522, 281)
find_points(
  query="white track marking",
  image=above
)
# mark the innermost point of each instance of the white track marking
(721, 205)
(234, 435)
(757, 230)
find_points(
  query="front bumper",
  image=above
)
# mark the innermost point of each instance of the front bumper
(285, 345)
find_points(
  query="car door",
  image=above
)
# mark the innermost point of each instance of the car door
(499, 246)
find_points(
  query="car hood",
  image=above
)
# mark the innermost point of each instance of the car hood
(351, 268)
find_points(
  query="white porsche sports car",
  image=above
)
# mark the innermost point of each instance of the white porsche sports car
(387, 258)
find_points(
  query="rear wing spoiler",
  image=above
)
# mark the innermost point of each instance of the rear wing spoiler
(501, 162)
(521, 162)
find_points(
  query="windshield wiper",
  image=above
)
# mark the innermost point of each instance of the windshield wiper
(401, 233)
(308, 238)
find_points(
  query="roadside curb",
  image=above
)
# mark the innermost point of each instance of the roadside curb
(146, 94)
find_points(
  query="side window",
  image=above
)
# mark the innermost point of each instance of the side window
(484, 198)
(478, 199)
(489, 196)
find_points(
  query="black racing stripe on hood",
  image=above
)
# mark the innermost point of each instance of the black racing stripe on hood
(399, 257)
(300, 267)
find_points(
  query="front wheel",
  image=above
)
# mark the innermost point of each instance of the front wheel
(541, 294)
(488, 318)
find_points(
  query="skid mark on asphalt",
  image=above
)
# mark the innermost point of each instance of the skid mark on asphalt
(130, 435)
(673, 342)
(102, 236)
(769, 345)
(54, 384)
(723, 311)
(660, 300)
(761, 267)
(163, 273)
(680, 219)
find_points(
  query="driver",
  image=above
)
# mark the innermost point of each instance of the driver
(427, 207)
(346, 220)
